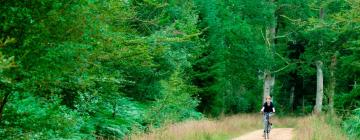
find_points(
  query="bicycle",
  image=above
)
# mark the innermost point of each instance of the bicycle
(267, 125)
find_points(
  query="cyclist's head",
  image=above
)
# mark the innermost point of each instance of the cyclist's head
(268, 98)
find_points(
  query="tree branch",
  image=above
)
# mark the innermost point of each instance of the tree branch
(281, 69)
(282, 58)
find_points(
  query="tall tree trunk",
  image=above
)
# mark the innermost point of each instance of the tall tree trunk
(2, 104)
(267, 84)
(303, 104)
(319, 75)
(291, 100)
(355, 85)
(321, 13)
(319, 87)
(272, 84)
(269, 81)
(332, 83)
(114, 110)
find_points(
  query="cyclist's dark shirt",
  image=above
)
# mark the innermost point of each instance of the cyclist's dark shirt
(268, 108)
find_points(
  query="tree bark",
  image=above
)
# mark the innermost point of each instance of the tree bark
(267, 84)
(319, 87)
(303, 104)
(332, 83)
(355, 85)
(291, 100)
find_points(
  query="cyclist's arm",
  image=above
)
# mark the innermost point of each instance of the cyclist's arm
(262, 109)
(274, 109)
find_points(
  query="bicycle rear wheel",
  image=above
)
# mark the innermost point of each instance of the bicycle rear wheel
(268, 130)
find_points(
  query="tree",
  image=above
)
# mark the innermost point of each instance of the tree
(5, 64)
(319, 87)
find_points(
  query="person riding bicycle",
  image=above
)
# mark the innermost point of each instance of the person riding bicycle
(268, 107)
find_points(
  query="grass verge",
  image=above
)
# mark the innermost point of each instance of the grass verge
(319, 128)
(211, 129)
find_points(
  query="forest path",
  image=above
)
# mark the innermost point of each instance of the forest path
(275, 134)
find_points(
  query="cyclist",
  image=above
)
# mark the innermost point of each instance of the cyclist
(268, 107)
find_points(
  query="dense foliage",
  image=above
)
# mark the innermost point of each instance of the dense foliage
(90, 69)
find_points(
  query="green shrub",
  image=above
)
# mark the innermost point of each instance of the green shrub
(29, 117)
(352, 124)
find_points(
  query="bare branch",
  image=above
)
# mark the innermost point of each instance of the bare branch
(282, 58)
(281, 69)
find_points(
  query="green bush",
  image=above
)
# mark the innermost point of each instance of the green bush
(175, 102)
(352, 124)
(29, 117)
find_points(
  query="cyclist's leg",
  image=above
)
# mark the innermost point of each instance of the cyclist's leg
(265, 123)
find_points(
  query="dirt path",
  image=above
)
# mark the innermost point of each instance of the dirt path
(276, 134)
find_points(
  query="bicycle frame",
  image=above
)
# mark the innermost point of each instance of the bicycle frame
(267, 126)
